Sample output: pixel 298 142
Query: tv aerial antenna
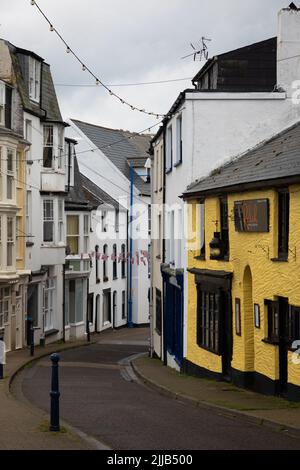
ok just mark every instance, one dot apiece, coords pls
pixel 200 50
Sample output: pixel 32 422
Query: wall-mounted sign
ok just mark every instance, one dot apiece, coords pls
pixel 251 215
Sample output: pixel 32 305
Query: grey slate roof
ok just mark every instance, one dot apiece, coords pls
pixel 96 195
pixel 276 158
pixel 126 145
pixel 76 199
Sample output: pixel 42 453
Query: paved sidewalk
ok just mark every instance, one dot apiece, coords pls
pixel 25 427
pixel 222 397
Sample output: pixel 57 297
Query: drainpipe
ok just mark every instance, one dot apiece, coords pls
pixel 163 347
pixel 130 323
pixel 64 303
pixel 69 166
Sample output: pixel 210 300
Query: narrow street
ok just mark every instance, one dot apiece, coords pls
pixel 101 396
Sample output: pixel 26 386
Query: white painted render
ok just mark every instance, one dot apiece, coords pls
pixel 96 166
pixel 119 284
pixel 39 253
pixel 219 126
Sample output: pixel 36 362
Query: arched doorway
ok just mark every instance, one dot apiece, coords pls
pixel 248 315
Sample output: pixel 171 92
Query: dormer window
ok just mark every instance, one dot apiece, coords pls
pixel 34 79
pixel 5 105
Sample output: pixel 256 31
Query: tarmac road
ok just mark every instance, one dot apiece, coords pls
pixel 100 397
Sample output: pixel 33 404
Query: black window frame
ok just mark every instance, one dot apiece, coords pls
pixel 273 321
pixel 209 319
pixel 283 223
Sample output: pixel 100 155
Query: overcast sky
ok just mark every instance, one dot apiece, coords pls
pixel 129 41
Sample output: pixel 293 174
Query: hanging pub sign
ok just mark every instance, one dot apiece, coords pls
pixel 251 215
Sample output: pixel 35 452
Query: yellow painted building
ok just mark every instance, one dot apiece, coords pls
pixel 243 313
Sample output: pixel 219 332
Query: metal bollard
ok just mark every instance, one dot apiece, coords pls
pixel 54 394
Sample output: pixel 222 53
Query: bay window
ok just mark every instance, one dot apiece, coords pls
pixel 10 173
pixel 48 222
pixel 73 234
pixel 48 153
pixel 2 103
pixel 86 230
pixel 10 242
pixel 60 220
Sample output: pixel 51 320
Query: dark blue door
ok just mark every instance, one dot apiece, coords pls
pixel 173 334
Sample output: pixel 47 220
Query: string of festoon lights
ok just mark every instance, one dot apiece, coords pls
pixel 87 69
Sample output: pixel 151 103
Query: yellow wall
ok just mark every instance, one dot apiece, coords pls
pixel 269 280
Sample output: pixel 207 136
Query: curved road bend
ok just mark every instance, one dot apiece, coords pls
pixel 99 397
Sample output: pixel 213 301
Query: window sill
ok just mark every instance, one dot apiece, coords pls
pixel 209 350
pixel 177 164
pixel 271 341
pixel 168 171
pixel 51 332
pixel 115 278
pixel 280 260
pixel 200 258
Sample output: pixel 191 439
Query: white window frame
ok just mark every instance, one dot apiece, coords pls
pixel 11 241
pixel 49 220
pixel 61 235
pixel 49 293
pixel 86 232
pixel 179 139
pixel 34 79
pixel 11 173
pixel 169 152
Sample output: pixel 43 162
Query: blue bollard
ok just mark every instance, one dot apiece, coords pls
pixel 54 394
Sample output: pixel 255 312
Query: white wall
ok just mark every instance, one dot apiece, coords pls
pixel 119 284
pixel 99 169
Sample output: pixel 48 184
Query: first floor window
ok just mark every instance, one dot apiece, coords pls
pixel 86 230
pixel 10 242
pixel 123 304
pixel 105 256
pixel 115 271
pixel 73 234
pixel 10 174
pixel 48 224
pixel 49 290
pixel 123 261
pixel 60 220
pixel 208 320
pixel 48 146
pixel 20 237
